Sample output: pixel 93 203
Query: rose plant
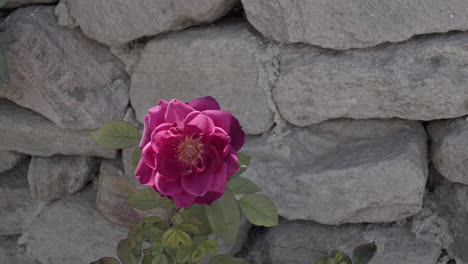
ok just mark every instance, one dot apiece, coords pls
pixel 188 157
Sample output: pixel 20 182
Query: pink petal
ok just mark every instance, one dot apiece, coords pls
pixel 220 140
pixel 165 187
pixel 177 111
pixel 236 134
pixel 146 133
pixel 168 163
pixel 209 198
pixel 221 118
pixel 183 200
pixel 204 103
pixel 197 122
pixel 212 158
pixel 149 156
pixel 157 114
pixel 197 183
pixel 220 179
pixel 232 164
pixel 144 173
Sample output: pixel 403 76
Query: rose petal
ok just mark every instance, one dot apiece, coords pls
pixel 236 134
pixel 149 156
pixel 232 164
pixel 220 179
pixel 146 133
pixel 144 173
pixel 197 122
pixel 197 183
pixel 157 114
pixel 168 163
pixel 209 198
pixel 183 200
pixel 204 103
pixel 221 141
pixel 177 111
pixel 212 158
pixel 221 118
pixel 165 187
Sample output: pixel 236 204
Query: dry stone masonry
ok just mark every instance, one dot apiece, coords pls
pixel 356 115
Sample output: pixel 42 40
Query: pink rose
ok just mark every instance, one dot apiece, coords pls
pixel 189 150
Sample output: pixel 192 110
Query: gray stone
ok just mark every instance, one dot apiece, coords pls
pixel 306 242
pixel 452 199
pixel 51 178
pixel 28 132
pixel 422 79
pixel 20 3
pixel 60 73
pixel 9 159
pixel 16 205
pixel 227 61
pixel 10 253
pixel 353 24
pixel 129 20
pixel 449 148
pixel 114 188
pixel 72 231
pixel 343 171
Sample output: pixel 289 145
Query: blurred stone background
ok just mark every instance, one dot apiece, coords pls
pixel 355 112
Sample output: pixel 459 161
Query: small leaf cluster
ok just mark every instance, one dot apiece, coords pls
pixel 184 237
pixel 361 255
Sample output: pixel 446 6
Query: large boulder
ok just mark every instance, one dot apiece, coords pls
pixel 341 24
pixel 422 79
pixel 129 20
pixel 25 131
pixel 303 242
pixel 72 231
pixel 449 148
pixel 54 177
pixel 72 80
pixel 227 61
pixel 9 159
pixel 20 3
pixel 343 171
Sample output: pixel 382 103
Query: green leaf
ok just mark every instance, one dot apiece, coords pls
pixel 160 259
pixel 117 135
pixel 126 254
pixel 341 258
pixel 224 217
pixel 184 253
pixel 147 259
pixel 175 236
pixel 364 253
pixel 244 162
pixel 259 210
pixel 228 260
pixel 198 212
pixel 143 200
pixel 211 246
pixel 136 156
pixel 106 261
pixel 189 228
pixel 199 253
pixel 145 223
pixel 162 202
pixel 241 185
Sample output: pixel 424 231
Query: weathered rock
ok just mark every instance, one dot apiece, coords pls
pixel 54 177
pixel 16 205
pixel 72 231
pixel 449 148
pixel 114 188
pixel 452 199
pixel 28 132
pixel 20 3
pixel 422 79
pixel 343 171
pixel 9 159
pixel 343 25
pixel 60 73
pixel 226 61
pixel 126 21
pixel 10 253
pixel 306 242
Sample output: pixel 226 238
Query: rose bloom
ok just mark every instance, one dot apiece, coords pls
pixel 189 150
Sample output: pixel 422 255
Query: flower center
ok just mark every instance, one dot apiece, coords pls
pixel 190 151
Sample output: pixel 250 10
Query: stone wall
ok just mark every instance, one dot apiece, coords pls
pixel 355 111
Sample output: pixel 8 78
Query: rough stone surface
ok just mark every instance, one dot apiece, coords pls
pixel 422 79
pixel 354 24
pixel 305 242
pixel 126 21
pixel 227 61
pixel 343 171
pixel 9 159
pixel 20 3
pixel 54 177
pixel 114 187
pixel 10 253
pixel 25 131
pixel 449 148
pixel 16 205
pixel 72 231
pixel 452 199
pixel 60 73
